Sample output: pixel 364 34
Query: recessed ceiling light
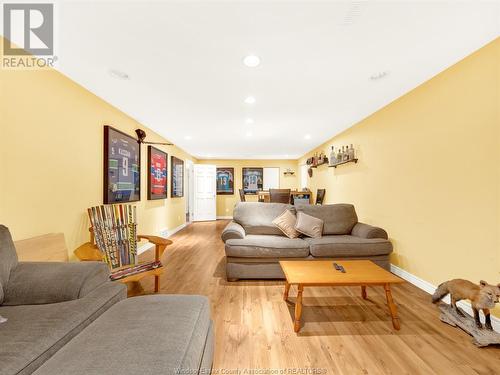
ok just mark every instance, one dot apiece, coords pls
pixel 251 61
pixel 188 137
pixel 118 74
pixel 250 100
pixel 249 120
pixel 307 136
pixel 378 75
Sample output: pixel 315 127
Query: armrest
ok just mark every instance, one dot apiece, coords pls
pixel 368 231
pixel 233 231
pixel 155 239
pixel 34 283
pixel 160 244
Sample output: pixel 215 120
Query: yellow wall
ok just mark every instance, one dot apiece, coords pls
pixel 51 158
pixel 429 172
pixel 225 203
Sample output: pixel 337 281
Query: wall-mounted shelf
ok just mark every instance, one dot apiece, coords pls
pixel 344 162
pixel 323 162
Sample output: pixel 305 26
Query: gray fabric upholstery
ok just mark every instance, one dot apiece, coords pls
pixel 341 246
pixel 33 283
pixel 156 334
pixel 248 268
pixel 232 230
pixel 256 254
pixel 368 231
pixel 337 218
pixel 263 270
pixel 257 218
pixel 33 333
pixel 8 257
pixel 265 246
pixel 208 352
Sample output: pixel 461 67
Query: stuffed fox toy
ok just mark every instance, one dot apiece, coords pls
pixel 482 297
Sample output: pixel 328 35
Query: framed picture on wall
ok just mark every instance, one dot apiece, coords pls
pixel 252 180
pixel 225 181
pixel 157 173
pixel 122 167
pixel 177 182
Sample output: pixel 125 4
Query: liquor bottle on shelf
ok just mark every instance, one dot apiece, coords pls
pixel 345 154
pixel 351 153
pixel 332 156
pixel 339 156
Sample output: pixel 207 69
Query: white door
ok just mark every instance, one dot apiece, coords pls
pixel 204 192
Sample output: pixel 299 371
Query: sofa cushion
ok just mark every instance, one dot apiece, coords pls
pixel 286 222
pixel 309 225
pixel 8 258
pixel 346 245
pixel 157 334
pixel 260 246
pixel 257 217
pixel 337 218
pixel 33 333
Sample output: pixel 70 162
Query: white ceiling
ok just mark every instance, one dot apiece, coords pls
pixel 184 59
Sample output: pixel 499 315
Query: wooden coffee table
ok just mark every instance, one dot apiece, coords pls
pixel 322 273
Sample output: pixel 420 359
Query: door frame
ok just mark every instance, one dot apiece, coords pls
pixel 189 191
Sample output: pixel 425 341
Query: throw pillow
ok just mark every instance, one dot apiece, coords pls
pixel 309 225
pixel 286 223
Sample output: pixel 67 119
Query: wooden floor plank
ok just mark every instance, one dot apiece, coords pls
pixel 341 333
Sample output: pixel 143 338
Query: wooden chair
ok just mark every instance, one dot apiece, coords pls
pixel 242 195
pixel 114 240
pixel 279 195
pixel 320 196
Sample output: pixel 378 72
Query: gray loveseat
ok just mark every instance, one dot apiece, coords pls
pixel 69 319
pixel 254 245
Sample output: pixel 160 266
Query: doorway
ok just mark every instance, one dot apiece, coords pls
pixel 204 187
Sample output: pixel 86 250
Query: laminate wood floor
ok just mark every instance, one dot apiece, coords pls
pixel 341 333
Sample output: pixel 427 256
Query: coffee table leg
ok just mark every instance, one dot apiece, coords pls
pixel 363 291
pixel 392 307
pixel 298 309
pixel 287 289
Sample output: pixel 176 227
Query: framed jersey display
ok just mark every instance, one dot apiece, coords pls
pixel 253 180
pixel 157 173
pixel 177 188
pixel 122 164
pixel 225 181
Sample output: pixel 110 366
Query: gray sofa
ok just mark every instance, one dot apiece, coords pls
pixel 254 245
pixel 68 318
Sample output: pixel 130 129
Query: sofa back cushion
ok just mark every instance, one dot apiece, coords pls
pixel 257 217
pixel 337 218
pixel 8 257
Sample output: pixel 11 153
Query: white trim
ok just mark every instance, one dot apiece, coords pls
pixel 165 233
pixel 142 248
pixel 170 232
pixel 224 217
pixel 430 288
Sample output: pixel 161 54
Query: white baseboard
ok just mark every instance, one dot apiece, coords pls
pixel 224 217
pixel 165 233
pixel 430 288
pixel 142 248
pixel 170 232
